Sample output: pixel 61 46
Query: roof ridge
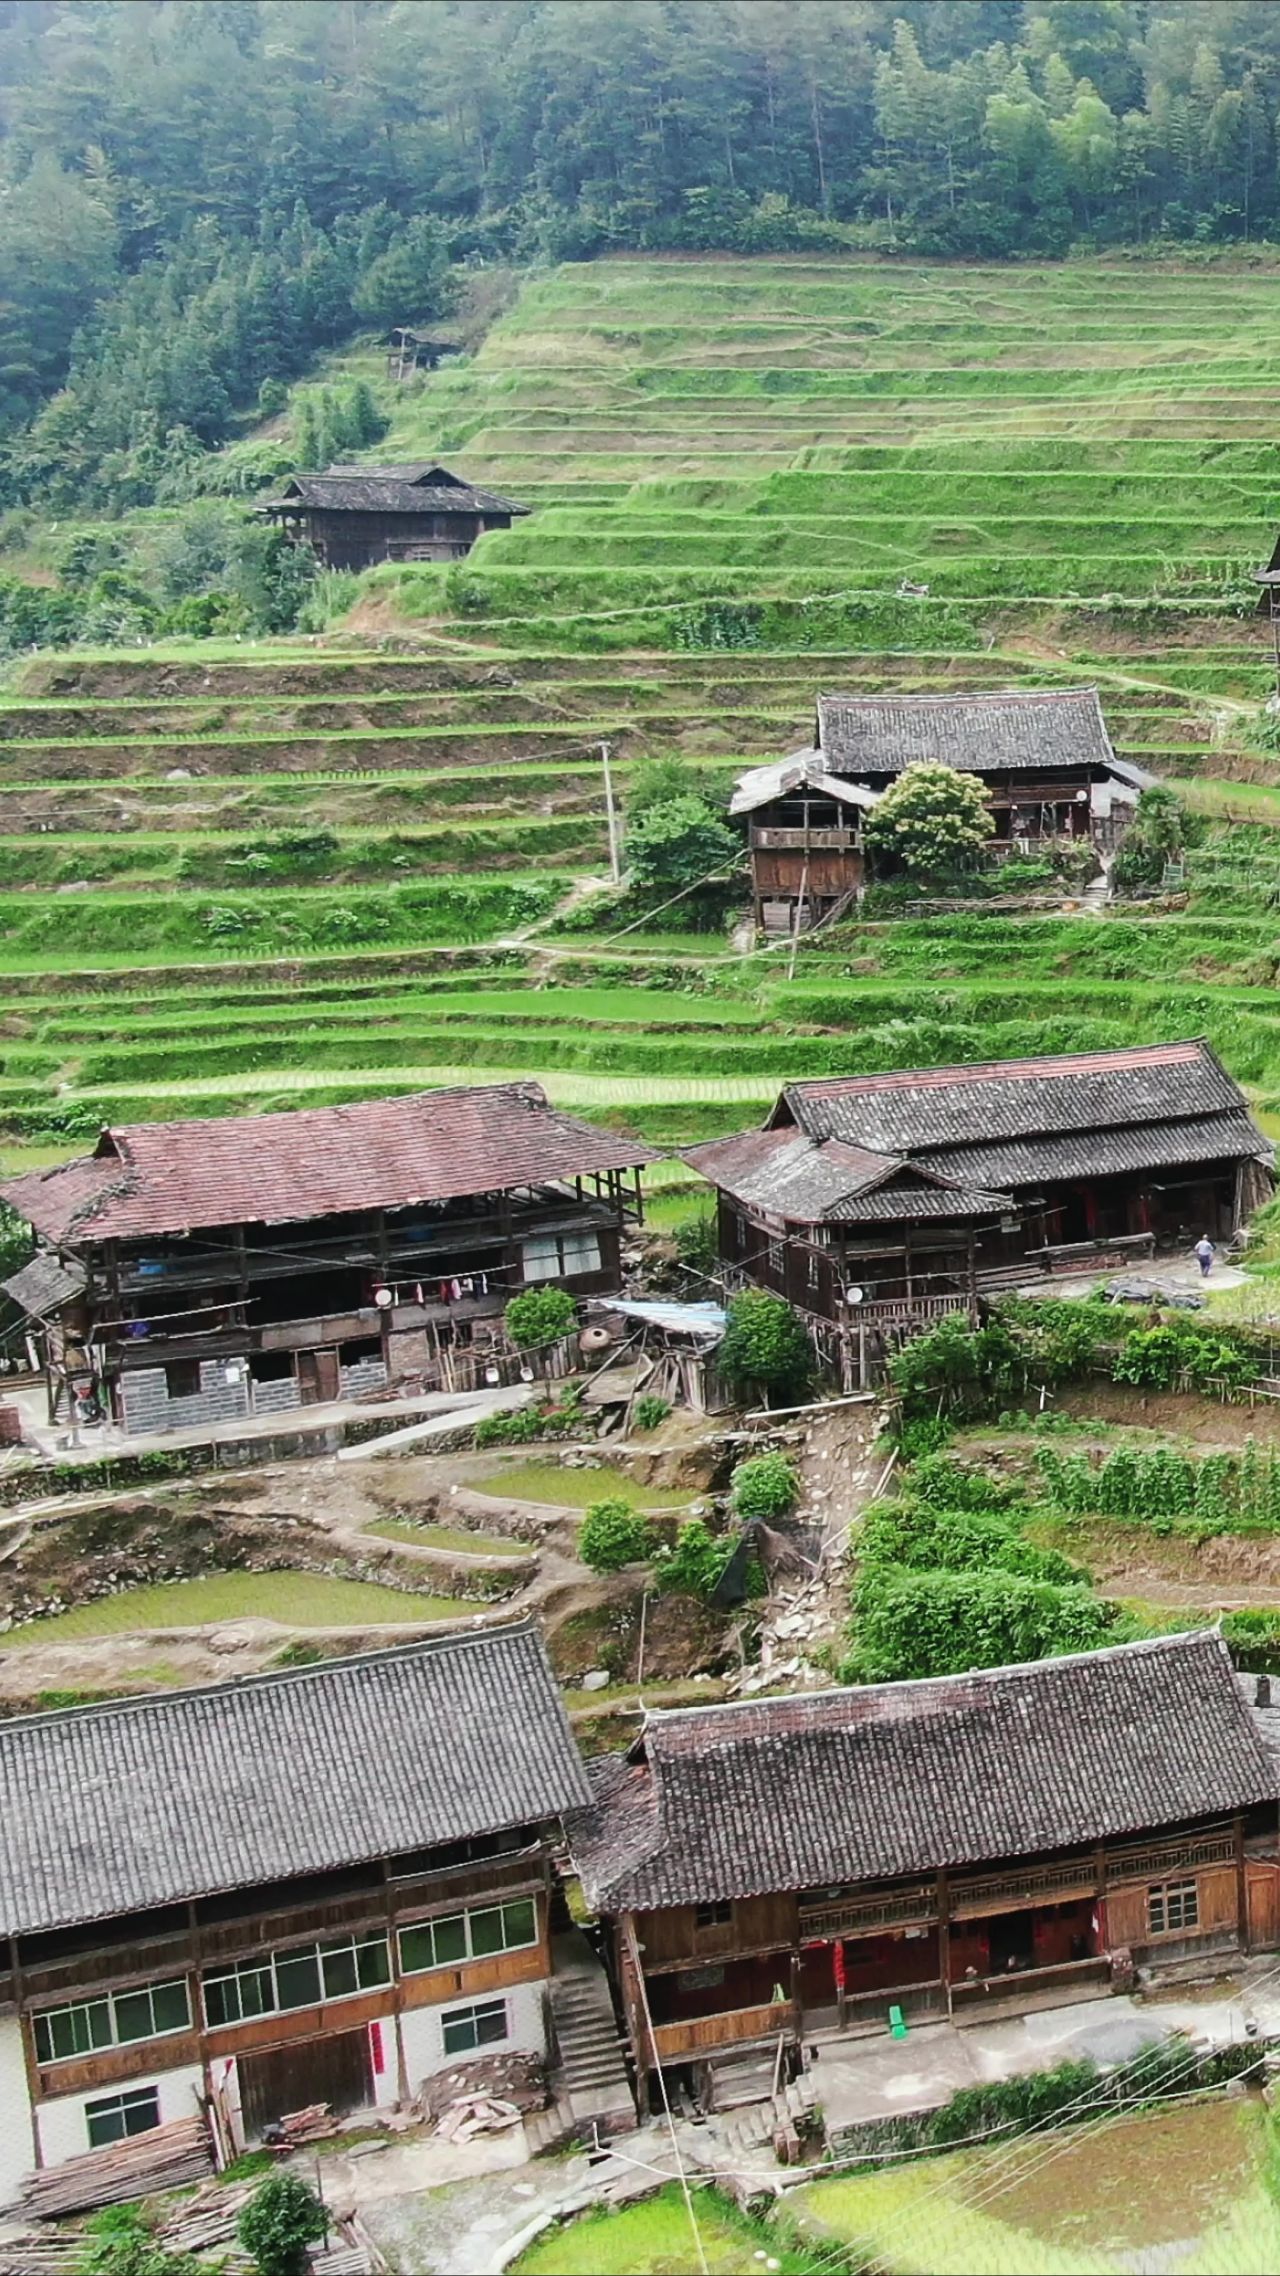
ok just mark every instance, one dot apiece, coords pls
pixel 971 696
pixel 1042 1063
pixel 264 1679
pixel 1135 1648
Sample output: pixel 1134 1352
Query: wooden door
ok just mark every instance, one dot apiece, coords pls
pixel 319 1377
pixel 337 2070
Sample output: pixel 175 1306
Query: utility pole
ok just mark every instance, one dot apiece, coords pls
pixel 615 864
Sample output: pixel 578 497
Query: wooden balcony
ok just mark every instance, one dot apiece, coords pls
pixel 864 1916
pixel 977 1895
pixel 705 2034
pixel 805 841
pixel 1069 1980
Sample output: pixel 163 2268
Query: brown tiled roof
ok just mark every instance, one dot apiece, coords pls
pixel 865 1784
pixel 982 734
pixel 165 1177
pixel 810 1181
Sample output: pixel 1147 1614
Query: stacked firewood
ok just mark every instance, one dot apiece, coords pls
pixel 484 2096
pixel 168 2157
pixel 314 2124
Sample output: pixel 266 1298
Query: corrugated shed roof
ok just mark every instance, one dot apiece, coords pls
pixel 864 1784
pixel 914 1110
pixel 983 734
pixel 164 1177
pixel 802 770
pixel 106 1810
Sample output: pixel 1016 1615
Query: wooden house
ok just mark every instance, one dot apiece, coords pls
pixel 352 516
pixel 320 1885
pixel 195 1272
pixel 875 1203
pixel 778 1873
pixel 1044 757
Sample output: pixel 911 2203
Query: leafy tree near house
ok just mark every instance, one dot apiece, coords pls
pixel 765 1352
pixel 613 1534
pixel 931 822
pixel 539 1316
pixel 679 842
pixel 280 2220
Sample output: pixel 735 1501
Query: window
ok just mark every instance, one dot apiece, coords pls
pixel 302 1977
pixel 553 1256
pixel 119 2115
pixel 118 2021
pixel 1172 1905
pixel 775 1256
pixel 712 1916
pixel 182 1378
pixel 455 1937
pixel 466 2028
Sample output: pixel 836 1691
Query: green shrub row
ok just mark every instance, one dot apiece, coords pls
pixel 1162 1488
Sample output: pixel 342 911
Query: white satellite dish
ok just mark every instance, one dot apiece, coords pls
pixel 854 1295
pixel 383 1298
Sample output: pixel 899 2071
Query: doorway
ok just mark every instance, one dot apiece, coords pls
pixel 337 2070
pixel 319 1377
pixel 1011 1937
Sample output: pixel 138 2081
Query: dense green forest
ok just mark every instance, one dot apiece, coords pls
pixel 198 197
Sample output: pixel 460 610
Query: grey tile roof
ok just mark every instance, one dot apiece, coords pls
pixel 786 1174
pixel 1103 1153
pixel 864 1784
pixel 44 1285
pixel 983 734
pixel 801 770
pixel 391 490
pixel 114 1809
pixel 916 1110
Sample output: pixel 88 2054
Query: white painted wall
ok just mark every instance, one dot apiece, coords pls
pixel 424 2035
pixel 64 2132
pixel 17 2143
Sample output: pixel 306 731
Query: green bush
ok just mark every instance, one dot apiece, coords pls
pixel 526 1424
pixel 947 1484
pixel 613 1534
pixel 909 1625
pixel 649 1411
pixel 119 2241
pixel 926 1539
pixel 539 1316
pixel 764 1487
pixel 765 1352
pixel 280 2220
pixel 699 1558
pixel 1159 1358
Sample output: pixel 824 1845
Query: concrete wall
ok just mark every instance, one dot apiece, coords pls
pixel 424 2034
pixel 363 1375
pixel 148 1406
pixel 64 2131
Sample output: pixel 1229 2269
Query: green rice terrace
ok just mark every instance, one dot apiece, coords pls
pixel 234 877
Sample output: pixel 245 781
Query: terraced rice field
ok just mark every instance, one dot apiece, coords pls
pixel 236 878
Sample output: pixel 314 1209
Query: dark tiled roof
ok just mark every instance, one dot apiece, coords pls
pixel 1103 1153
pixel 809 1182
pixel 44 1285
pixel 866 1784
pixel 983 734
pixel 148 1802
pixel 418 489
pixel 164 1177
pixel 932 1107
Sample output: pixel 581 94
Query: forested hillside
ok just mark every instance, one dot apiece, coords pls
pixel 197 198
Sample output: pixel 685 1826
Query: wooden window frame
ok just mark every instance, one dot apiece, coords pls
pixel 475 2012
pixel 1165 1897
pixel 120 2105
pixel 43 2022
pixel 328 1948
pixel 469 1951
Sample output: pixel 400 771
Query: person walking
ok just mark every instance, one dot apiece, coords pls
pixel 1204 1255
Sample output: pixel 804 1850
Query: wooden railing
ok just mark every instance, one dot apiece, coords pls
pixel 805 841
pixel 1066 1976
pixel 1157 1860
pixel 996 1892
pixel 702 2034
pixel 861 1916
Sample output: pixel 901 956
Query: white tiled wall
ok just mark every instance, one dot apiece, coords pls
pixel 63 2129
pixel 424 2037
pixel 17 2143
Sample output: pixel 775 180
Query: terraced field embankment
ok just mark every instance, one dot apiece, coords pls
pixel 231 878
